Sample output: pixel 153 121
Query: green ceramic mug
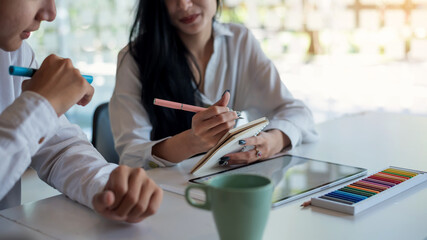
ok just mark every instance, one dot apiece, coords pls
pixel 240 204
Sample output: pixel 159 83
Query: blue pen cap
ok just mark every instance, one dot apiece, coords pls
pixel 21 71
pixel 88 78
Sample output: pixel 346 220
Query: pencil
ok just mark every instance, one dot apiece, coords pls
pixel 29 72
pixel 306 204
pixel 182 106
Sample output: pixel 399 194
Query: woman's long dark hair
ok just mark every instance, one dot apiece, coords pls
pixel 164 68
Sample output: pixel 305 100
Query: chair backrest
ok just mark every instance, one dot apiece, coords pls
pixel 102 137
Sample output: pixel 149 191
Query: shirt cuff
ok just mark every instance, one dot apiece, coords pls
pixel 287 128
pixel 154 161
pixel 98 185
pixel 140 155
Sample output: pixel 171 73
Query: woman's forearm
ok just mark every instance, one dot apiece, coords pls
pixel 282 140
pixel 177 148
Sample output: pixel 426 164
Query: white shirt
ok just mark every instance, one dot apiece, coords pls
pixel 31 134
pixel 238 64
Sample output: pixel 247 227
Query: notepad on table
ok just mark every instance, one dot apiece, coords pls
pixel 229 143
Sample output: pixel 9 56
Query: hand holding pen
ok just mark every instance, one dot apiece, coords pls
pixel 60 83
pixel 184 107
pixel 208 124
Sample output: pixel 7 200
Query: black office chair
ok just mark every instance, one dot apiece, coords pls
pixel 102 137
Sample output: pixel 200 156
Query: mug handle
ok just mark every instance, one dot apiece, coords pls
pixel 206 205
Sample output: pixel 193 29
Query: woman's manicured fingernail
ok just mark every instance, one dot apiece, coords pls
pixel 223 161
pixel 242 142
pixel 225 92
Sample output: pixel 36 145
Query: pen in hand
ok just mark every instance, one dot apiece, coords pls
pixel 29 72
pixel 182 106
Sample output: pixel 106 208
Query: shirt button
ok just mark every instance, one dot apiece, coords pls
pixel 153 164
pixel 41 140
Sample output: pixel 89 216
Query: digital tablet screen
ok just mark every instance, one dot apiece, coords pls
pixel 295 177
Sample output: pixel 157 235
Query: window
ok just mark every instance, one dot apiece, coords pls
pixel 339 56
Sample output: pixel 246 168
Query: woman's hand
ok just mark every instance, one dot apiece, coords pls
pixel 210 125
pixel 266 144
pixel 207 128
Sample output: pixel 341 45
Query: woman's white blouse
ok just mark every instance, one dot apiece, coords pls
pixel 238 64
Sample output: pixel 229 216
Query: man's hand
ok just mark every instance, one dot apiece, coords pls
pixel 129 195
pixel 60 83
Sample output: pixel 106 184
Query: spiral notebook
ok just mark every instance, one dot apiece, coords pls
pixel 229 143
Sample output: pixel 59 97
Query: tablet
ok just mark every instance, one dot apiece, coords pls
pixel 295 177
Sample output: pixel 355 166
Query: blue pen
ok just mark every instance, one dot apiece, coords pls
pixel 29 72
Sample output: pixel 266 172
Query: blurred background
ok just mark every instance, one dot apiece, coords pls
pixel 339 56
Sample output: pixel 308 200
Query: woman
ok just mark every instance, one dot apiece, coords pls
pixel 178 52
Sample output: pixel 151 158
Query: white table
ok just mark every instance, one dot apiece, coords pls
pixel 372 140
pixel 10 230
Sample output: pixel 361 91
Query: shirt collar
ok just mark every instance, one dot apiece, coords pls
pixel 220 29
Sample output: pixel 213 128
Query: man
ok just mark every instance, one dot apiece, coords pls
pixel 34 131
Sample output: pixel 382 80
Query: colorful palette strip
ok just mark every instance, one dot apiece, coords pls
pixel 370 186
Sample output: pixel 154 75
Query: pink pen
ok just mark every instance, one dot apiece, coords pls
pixel 181 106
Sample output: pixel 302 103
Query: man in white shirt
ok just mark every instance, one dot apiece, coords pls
pixel 34 131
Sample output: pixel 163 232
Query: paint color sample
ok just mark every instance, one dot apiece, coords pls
pixel 371 190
